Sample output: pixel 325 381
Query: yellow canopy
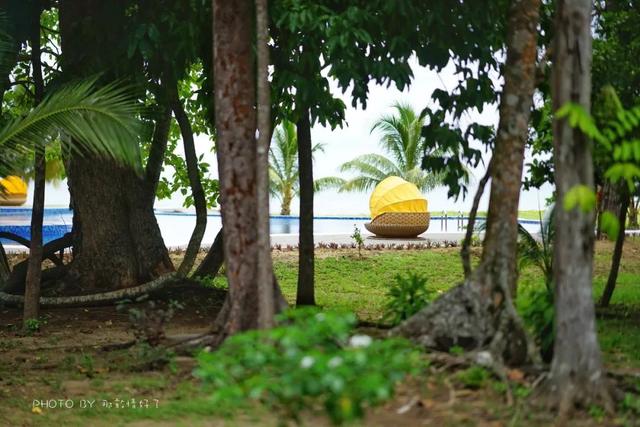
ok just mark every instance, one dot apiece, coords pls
pixel 13 191
pixel 394 194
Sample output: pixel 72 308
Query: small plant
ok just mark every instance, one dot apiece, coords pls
pixel 456 350
pixel 474 377
pixel 148 322
pixel 310 360
pixel 358 239
pixel 408 295
pixel 32 326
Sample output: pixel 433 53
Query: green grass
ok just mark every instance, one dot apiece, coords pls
pixel 345 281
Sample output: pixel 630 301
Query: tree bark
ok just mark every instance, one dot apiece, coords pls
pixel 191 158
pixel 157 151
pixel 265 267
pixel 117 241
pixel 306 287
pixel 480 313
pixel 235 120
pixel 211 264
pixel 633 213
pixel 34 268
pixel 577 375
pixel 617 250
pixel 610 202
pixel 465 253
pixel 5 271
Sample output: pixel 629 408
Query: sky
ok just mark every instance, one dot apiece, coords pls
pixel 354 139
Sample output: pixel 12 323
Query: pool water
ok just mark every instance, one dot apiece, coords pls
pixel 176 226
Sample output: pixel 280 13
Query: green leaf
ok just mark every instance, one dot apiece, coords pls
pixel 610 224
pixel 580 196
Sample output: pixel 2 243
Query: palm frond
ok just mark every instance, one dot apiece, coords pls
pixel 372 164
pixel 361 183
pixel 328 183
pixel 101 121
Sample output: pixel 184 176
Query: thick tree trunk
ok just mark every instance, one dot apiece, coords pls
pixel 34 268
pixel 480 313
pixel 197 192
pixel 235 120
pixel 265 267
pixel 577 375
pixel 306 287
pixel 617 250
pixel 117 239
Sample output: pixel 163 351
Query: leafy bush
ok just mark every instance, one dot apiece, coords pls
pixel 474 377
pixel 538 314
pixel 311 359
pixel 408 295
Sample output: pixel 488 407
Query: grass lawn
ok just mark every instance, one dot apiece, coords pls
pixel 50 366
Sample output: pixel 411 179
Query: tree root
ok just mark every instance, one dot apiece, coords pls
pixel 104 298
pixel 466 318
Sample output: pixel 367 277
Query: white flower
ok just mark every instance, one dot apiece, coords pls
pixel 360 341
pixel 306 362
pixel 335 362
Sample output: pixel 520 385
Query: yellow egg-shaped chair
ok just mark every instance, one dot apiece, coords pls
pixel 398 209
pixel 13 191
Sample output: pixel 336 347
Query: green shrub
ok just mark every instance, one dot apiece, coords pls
pixel 538 314
pixel 474 377
pixel 310 360
pixel 408 295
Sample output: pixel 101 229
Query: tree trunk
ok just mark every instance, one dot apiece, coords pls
pixel 465 251
pixel 617 250
pixel 117 241
pixel 34 268
pixel 5 271
pixel 633 213
pixel 610 202
pixel 235 120
pixel 285 208
pixel 211 264
pixel 191 158
pixel 577 374
pixel 306 288
pixel 480 313
pixel 265 267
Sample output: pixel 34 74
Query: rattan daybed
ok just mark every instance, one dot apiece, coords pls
pixel 399 224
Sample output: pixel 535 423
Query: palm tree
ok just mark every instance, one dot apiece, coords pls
pixel 283 167
pixel 405 147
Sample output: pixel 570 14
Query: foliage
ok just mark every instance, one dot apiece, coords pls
pixel 537 312
pixel 404 147
pixel 32 325
pixel 310 358
pixel 148 322
pixel 616 134
pixel 357 237
pixel 474 377
pixel 407 296
pixel 536 306
pixel 284 182
pixel 98 120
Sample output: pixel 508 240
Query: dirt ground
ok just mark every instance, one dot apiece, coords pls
pixel 75 356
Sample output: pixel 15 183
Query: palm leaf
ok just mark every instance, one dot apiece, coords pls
pixel 327 183
pixel 101 121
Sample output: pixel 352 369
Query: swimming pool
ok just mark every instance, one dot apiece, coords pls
pixel 176 226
